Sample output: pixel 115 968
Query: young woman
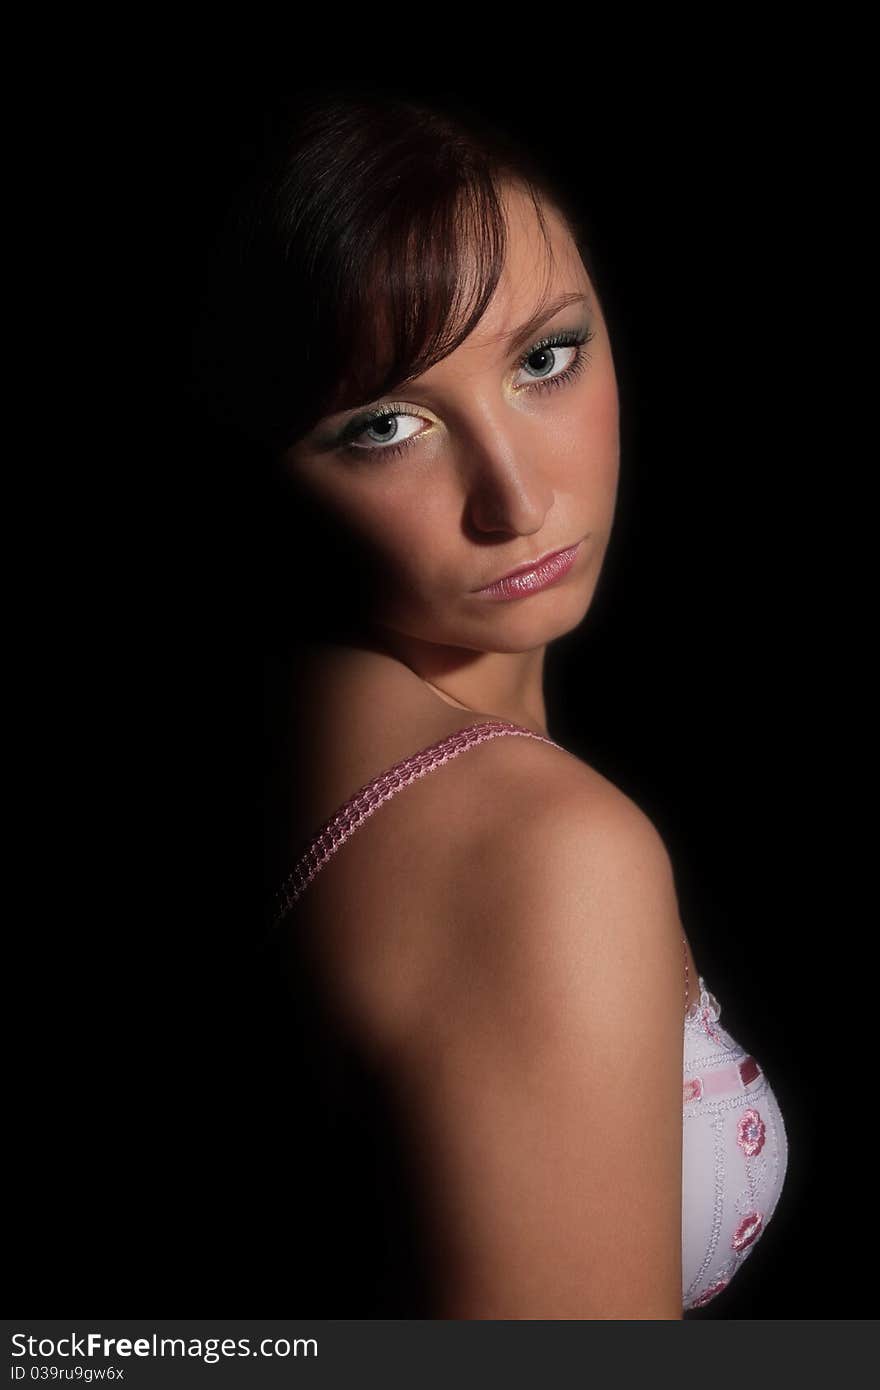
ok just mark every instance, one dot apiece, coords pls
pixel 478 933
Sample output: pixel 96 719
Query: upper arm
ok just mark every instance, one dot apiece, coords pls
pixel 545 1073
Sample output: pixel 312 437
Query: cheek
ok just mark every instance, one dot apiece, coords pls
pixel 599 409
pixel 394 528
pixel 606 411
pixel 355 527
pixel 403 528
pixel 607 435
pixel 588 436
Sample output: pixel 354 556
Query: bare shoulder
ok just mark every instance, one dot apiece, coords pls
pixel 516 832
pixel 543 1070
pixel 354 714
pixel 506 936
pixel 560 871
pixel 556 866
pixel 537 876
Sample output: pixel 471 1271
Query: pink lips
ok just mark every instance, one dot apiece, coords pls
pixel 528 581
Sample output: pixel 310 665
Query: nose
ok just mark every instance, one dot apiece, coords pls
pixel 507 488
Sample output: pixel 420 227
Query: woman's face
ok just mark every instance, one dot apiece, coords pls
pixel 500 454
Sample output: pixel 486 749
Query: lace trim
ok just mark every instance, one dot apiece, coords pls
pixel 367 800
pixel 706 1008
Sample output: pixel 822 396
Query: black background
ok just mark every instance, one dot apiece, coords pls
pixel 718 678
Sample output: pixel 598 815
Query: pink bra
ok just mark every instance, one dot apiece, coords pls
pixel 353 812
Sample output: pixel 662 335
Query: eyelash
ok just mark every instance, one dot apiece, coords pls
pixel 566 338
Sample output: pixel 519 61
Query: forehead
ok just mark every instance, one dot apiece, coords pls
pixel 539 264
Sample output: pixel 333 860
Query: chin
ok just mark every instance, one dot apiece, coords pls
pixel 520 626
pixel 505 625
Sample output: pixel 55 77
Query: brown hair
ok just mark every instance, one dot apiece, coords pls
pixel 368 211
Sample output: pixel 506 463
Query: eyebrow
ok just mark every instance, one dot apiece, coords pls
pixel 519 337
pixel 514 340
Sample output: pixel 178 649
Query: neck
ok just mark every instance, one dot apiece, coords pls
pixel 508 685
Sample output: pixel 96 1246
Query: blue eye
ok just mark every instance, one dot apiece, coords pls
pixel 390 414
pixel 547 348
pixel 387 415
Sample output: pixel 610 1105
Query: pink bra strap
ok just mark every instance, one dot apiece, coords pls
pixel 369 798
